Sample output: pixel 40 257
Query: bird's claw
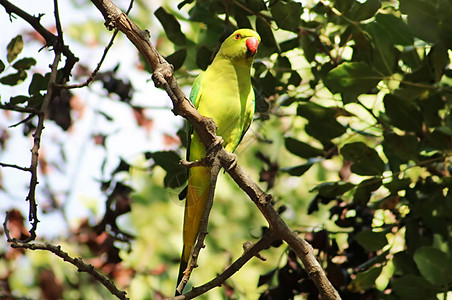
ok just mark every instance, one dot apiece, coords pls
pixel 232 163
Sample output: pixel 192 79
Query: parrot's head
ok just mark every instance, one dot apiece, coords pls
pixel 241 45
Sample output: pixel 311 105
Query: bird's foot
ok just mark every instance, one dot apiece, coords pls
pixel 232 162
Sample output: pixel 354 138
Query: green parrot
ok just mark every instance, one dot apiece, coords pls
pixel 223 93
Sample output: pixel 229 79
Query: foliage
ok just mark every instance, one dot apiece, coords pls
pixel 364 85
pixel 352 137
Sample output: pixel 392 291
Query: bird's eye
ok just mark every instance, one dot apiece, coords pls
pixel 238 36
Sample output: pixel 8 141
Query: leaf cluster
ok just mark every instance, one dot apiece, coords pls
pixel 369 82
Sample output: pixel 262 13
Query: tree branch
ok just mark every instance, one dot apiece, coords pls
pixel 78 262
pixel 51 39
pixel 264 243
pixel 163 77
pixel 99 64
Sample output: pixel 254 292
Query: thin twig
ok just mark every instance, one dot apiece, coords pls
pixel 50 38
pixel 78 262
pixel 99 64
pixel 31 197
pixel 19 108
pixel 26 169
pixel 58 22
pixel 247 255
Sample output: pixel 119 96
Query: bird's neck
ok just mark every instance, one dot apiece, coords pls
pixel 241 67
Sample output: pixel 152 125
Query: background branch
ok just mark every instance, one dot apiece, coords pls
pixel 78 262
pixel 163 77
pixel 51 39
pixel 264 243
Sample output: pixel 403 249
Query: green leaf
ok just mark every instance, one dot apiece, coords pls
pixel 397 184
pixel 203 57
pixel 422 18
pixel 322 121
pixel 434 265
pixel 177 58
pixel 352 79
pixel 242 19
pixel 364 191
pixel 297 170
pixel 411 287
pixel 267 37
pixel 384 54
pixel 289 44
pixel 301 149
pixel 287 14
pixel 256 5
pixel 24 63
pixel 18 99
pixel 371 240
pixel 404 114
pixel 365 279
pixel 171 26
pixel 14 79
pixel 2 66
pixel 14 48
pixel 333 189
pixel 38 83
pixel 363 11
pixel 438 59
pixel 176 175
pixel 395 28
pixel 294 79
pixel 404 264
pixel 405 147
pixel 366 160
pixel 439 139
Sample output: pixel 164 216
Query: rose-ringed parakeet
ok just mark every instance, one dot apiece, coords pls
pixel 223 93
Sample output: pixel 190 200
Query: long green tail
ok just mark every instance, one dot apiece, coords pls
pixel 197 193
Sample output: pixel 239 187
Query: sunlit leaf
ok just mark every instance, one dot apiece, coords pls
pixel 14 48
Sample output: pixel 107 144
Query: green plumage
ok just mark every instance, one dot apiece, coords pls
pixel 225 94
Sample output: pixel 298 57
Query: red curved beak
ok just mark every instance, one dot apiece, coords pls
pixel 251 44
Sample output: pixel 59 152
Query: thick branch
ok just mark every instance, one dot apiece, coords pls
pixel 163 77
pixel 78 262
